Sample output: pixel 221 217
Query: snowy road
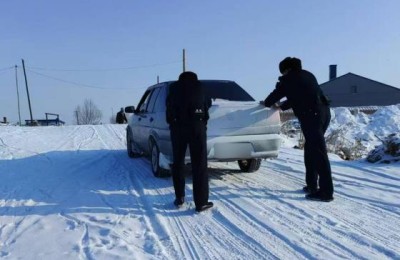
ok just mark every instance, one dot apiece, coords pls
pixel 73 193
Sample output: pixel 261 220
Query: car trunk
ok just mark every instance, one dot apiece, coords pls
pixel 231 118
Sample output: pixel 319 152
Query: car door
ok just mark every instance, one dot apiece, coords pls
pixel 160 126
pixel 148 120
pixel 138 119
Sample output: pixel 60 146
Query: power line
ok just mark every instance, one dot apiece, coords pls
pixel 76 83
pixel 8 68
pixel 3 72
pixel 108 69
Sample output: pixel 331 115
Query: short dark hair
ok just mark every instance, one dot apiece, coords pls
pixel 188 76
pixel 290 63
pixel 296 64
pixel 284 64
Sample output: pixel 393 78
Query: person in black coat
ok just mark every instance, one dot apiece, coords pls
pixel 311 107
pixel 187 115
pixel 121 117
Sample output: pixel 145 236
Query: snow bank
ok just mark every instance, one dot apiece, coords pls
pixel 353 134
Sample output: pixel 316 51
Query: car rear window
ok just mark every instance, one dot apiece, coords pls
pixel 227 90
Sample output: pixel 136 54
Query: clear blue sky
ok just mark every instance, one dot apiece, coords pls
pixel 123 45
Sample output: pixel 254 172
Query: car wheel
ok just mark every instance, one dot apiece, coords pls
pixel 249 165
pixel 155 161
pixel 133 151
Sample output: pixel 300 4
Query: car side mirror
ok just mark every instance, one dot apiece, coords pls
pixel 130 109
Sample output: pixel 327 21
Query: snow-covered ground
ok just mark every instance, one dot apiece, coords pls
pixel 73 193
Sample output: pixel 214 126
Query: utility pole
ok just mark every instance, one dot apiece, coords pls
pixel 158 79
pixel 77 117
pixel 184 60
pixel 16 83
pixel 27 91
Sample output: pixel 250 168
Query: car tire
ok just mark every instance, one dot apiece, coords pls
pixel 133 152
pixel 249 165
pixel 155 161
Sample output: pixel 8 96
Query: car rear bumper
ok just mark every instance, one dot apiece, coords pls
pixel 232 148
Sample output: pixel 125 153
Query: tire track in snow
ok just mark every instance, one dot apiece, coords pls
pixel 190 241
pixel 155 227
pixel 348 220
pixel 345 179
pixel 259 226
pixel 115 171
pixel 158 235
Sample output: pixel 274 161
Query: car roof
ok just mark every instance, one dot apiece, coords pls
pixel 201 80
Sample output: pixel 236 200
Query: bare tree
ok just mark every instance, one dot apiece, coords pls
pixel 88 114
pixel 112 120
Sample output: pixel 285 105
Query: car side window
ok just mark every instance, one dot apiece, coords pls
pixel 161 99
pixel 141 108
pixel 153 97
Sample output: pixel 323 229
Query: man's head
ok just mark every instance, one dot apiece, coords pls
pixel 188 77
pixel 122 109
pixel 296 64
pixel 284 65
pixel 288 64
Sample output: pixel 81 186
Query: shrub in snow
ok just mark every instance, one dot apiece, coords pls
pixel 337 142
pixel 291 128
pixel 387 152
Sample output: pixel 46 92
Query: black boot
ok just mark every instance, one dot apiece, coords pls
pixel 178 202
pixel 204 207
pixel 319 196
pixel 309 190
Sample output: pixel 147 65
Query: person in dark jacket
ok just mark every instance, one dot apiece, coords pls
pixel 311 107
pixel 121 117
pixel 187 115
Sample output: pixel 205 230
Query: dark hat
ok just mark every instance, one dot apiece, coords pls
pixel 188 76
pixel 284 64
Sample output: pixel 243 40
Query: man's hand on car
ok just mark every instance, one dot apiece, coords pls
pixel 276 106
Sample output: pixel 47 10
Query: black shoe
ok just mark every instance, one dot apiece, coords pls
pixel 309 190
pixel 179 202
pixel 204 207
pixel 319 196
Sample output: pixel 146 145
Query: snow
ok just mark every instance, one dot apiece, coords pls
pixel 71 192
pixel 370 129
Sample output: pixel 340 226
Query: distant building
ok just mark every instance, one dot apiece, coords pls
pixel 351 90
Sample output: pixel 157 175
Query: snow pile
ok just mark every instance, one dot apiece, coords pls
pixel 354 134
pixel 367 128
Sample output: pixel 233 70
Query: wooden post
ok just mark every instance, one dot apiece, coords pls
pixel 27 91
pixel 184 60
pixel 16 83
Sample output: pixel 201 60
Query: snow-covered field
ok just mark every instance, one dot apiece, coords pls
pixel 72 193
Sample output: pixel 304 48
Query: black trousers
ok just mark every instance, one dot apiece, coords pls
pixel 318 168
pixel 195 136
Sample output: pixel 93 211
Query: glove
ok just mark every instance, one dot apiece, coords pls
pixel 276 106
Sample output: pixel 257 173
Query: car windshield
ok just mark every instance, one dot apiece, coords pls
pixel 227 90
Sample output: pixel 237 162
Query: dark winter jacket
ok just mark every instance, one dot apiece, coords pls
pixel 187 103
pixel 302 92
pixel 121 118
